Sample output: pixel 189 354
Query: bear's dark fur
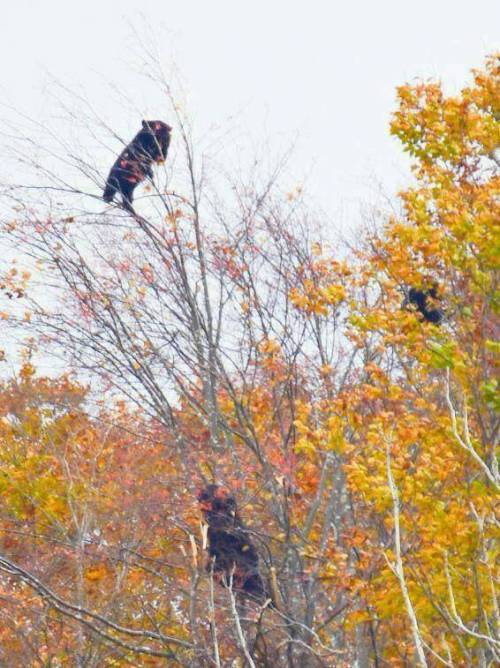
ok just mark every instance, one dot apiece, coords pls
pixel 229 545
pixel 133 165
pixel 422 300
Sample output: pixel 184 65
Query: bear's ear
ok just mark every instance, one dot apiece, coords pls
pixel 145 125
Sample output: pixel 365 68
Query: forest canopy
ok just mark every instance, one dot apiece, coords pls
pixel 213 337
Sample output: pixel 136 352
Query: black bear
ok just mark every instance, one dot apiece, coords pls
pixel 133 165
pixel 229 545
pixel 422 300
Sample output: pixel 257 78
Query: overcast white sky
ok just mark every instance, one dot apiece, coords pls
pixel 324 71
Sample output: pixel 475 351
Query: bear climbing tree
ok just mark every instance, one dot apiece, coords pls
pixel 423 300
pixel 232 554
pixel 133 165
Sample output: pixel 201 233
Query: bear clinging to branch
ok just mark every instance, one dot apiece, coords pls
pixel 133 165
pixel 424 302
pixel 230 548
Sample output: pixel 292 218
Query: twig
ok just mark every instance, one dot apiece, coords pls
pixel 239 630
pixel 466 442
pixel 213 626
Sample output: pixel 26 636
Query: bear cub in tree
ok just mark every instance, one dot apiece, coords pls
pixel 422 300
pixel 230 548
pixel 133 165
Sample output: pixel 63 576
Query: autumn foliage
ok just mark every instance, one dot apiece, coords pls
pixel 218 339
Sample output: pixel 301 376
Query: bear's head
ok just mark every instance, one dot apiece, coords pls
pixel 161 132
pixel 218 505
